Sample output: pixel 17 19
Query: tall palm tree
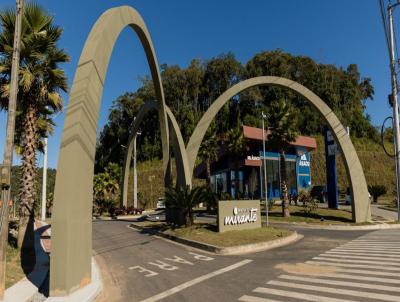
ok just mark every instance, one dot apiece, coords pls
pixel 282 122
pixel 209 150
pixel 236 143
pixel 40 83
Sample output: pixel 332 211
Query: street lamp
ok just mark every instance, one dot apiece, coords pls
pixel 263 117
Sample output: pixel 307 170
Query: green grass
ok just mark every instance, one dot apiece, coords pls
pixel 207 233
pixel 14 271
pixel 330 216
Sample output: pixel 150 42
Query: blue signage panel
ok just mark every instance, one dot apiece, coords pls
pixel 331 173
pixel 304 171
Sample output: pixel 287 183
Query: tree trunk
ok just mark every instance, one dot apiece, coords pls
pixel 28 186
pixel 284 190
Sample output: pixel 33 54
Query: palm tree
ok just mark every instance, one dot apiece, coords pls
pixel 184 199
pixel 236 143
pixel 106 188
pixel 40 81
pixel 209 150
pixel 283 124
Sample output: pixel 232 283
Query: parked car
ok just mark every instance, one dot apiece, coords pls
pixel 161 203
pixel 320 193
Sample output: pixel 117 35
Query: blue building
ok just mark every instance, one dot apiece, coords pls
pixel 241 176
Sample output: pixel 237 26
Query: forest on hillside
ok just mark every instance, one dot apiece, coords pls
pixel 190 91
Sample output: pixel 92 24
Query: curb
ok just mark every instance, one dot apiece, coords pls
pixel 232 250
pixel 332 227
pixel 25 289
pixel 88 293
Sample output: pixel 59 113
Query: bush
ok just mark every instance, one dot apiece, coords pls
pixel 310 204
pixel 376 191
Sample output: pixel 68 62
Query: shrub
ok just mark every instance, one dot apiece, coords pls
pixel 310 204
pixel 376 191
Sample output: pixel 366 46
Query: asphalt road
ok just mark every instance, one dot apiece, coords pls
pixel 138 267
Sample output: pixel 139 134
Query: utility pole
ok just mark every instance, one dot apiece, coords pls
pixel 44 181
pixel 9 146
pixel 263 116
pixel 395 102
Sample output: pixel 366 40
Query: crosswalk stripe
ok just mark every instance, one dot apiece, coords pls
pixel 361 254
pixel 391 246
pixel 365 250
pixel 366 272
pixel 337 291
pixel 246 298
pixel 358 277
pixel 342 283
pixel 297 295
pixel 377 241
pixel 355 265
pixel 347 256
pixel 357 261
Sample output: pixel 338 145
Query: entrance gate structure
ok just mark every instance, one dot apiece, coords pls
pixel 70 264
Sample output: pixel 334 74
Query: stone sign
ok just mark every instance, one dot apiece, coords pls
pixel 238 215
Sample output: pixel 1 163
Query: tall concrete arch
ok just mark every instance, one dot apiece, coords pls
pixel 177 143
pixel 72 216
pixel 360 198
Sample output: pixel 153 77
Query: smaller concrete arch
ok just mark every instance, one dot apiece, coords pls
pixel 177 144
pixel 360 198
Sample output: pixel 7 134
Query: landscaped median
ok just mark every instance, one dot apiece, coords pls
pixel 205 236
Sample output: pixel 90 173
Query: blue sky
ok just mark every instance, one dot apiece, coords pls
pixel 336 32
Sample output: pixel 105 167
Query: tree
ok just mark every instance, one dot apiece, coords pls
pixel 237 147
pixel 376 191
pixel 282 122
pixel 184 199
pixel 106 188
pixel 40 82
pixel 209 150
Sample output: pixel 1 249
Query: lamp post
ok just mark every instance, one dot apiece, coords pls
pixel 263 117
pixel 9 146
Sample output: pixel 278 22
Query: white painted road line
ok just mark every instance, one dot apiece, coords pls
pixel 337 291
pixel 367 272
pixel 354 265
pixel 297 295
pixel 360 257
pixel 362 254
pixel 365 250
pixel 190 283
pixel 246 298
pixel 380 246
pixel 357 261
pixel 360 278
pixel 342 283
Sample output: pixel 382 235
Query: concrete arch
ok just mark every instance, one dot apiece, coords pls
pixel 177 143
pixel 360 197
pixel 72 216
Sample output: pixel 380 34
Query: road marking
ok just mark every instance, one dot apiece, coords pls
pixel 386 246
pixel 297 295
pixel 141 269
pixel 357 277
pixel 366 250
pixel 361 254
pixel 356 261
pixel 246 298
pixel 341 283
pixel 348 256
pixel 164 266
pixel 365 272
pixel 348 292
pixel 190 283
pixel 354 265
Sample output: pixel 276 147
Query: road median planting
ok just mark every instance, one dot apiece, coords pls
pixel 206 237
